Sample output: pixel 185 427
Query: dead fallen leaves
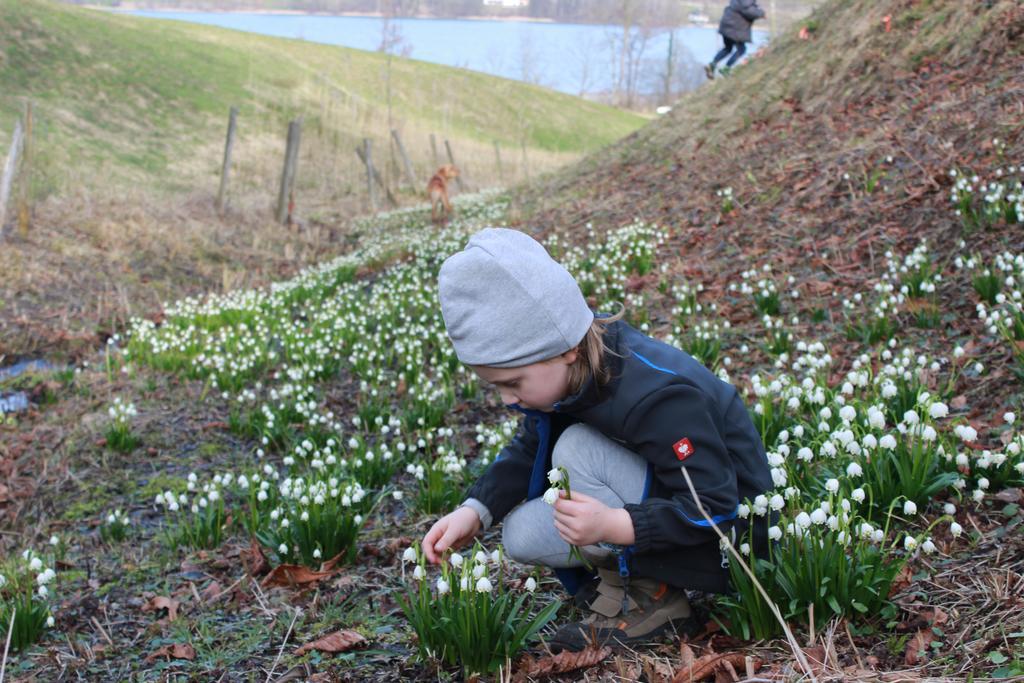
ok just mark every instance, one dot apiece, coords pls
pixel 560 663
pixel 298 575
pixel 175 651
pixel 253 559
pixel 161 602
pixel 725 666
pixel 339 641
pixel 918 646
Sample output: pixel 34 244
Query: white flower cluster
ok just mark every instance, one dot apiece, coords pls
pixel 120 412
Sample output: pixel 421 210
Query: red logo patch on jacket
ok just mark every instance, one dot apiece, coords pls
pixel 683 449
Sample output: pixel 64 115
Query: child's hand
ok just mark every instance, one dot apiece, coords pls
pixel 586 521
pixel 451 531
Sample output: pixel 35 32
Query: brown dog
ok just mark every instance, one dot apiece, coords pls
pixel 437 191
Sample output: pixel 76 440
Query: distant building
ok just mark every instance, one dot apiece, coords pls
pixel 699 18
pixel 509 4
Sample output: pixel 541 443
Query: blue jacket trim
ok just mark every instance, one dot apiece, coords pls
pixel 717 519
pixel 656 367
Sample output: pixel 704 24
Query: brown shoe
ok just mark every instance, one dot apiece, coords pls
pixel 651 608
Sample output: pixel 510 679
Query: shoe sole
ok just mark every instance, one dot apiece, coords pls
pixel 688 626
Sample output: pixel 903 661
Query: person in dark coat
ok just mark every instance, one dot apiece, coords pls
pixel 737 20
pixel 620 414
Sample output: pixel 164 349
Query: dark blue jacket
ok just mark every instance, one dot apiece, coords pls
pixel 664 405
pixel 738 18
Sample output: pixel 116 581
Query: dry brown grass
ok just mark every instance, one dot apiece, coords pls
pixel 89 263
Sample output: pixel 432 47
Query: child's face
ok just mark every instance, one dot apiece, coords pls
pixel 537 386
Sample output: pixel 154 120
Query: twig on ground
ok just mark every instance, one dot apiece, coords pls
pixel 283 643
pixel 7 645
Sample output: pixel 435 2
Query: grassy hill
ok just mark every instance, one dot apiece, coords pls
pixel 129 120
pixel 145 101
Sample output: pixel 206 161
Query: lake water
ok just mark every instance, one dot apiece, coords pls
pixel 573 58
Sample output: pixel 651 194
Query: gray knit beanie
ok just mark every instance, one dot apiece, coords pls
pixel 507 303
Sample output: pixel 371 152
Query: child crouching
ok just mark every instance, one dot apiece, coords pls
pixel 621 412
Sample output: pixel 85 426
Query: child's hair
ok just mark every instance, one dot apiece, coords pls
pixel 590 357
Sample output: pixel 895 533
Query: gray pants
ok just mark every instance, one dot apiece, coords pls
pixel 598 467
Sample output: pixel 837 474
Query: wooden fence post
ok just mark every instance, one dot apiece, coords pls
pixel 451 160
pixel 291 158
pixel 24 212
pixel 367 157
pixel 497 158
pixel 433 151
pixel 8 174
pixel 409 175
pixel 372 174
pixel 526 162
pixel 226 166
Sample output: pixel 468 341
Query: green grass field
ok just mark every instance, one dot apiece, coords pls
pixel 141 101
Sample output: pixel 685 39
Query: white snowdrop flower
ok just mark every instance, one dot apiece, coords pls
pixel 397 495
pixel 531 584
pixel 744 548
pixel 949 509
pixel 979 368
pixel 877 536
pixel 554 475
pixel 845 505
pixel 911 417
pixel 283 548
pixel 479 571
pixel 35 564
pixel 983 483
pixel 50 621
pixel 743 511
pixel 551 495
pixel 962 460
pixel 1009 418
pixel 357 520
pixel 409 555
pixel 858 495
pixel 966 433
pixel 456 560
pixel 938 410
pixel 825 413
pixel 774 533
pixel 480 557
pixel 832 485
pixel 464 583
pixel 54 540
pixel 888 390
pixel 803 520
pixel 805 454
pixel 798 431
pixel 854 470
pixel 419 573
pixel 442 586
pixel 909 508
pixel 978 495
pixel 818 516
pixel 42 591
pixel 955 529
pixel 929 433
pixel 888 442
pixel 848 413
pixel 777 502
pixel 909 543
pixel 927 546
pixel 316 553
pixel 483 585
